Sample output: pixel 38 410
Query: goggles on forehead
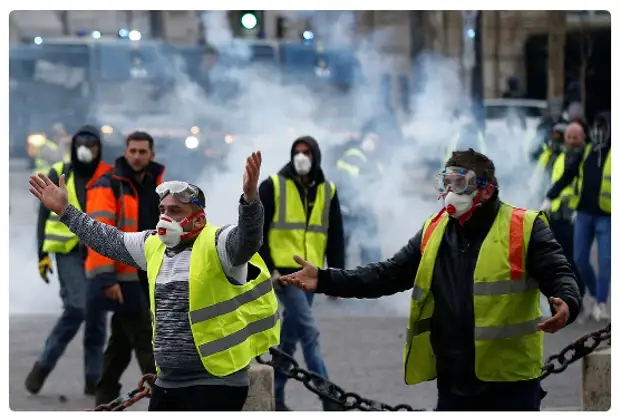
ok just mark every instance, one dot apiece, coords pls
pixel 180 191
pixel 458 180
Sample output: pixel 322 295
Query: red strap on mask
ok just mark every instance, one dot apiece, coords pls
pixel 187 220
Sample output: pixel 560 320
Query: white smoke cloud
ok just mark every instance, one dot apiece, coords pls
pixel 269 116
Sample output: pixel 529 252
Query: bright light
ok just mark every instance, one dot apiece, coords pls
pixel 123 33
pixel 38 40
pixel 308 35
pixel 228 139
pixel 195 130
pixel 471 33
pixel 134 35
pixel 108 130
pixel 36 139
pixel 191 142
pixel 249 21
pixel 95 34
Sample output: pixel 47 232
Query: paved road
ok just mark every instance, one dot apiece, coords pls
pixel 363 354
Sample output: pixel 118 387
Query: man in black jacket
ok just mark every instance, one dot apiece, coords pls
pixel 84 169
pixel 475 320
pixel 302 215
pixel 591 166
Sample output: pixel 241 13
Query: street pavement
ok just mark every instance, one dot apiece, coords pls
pixel 362 353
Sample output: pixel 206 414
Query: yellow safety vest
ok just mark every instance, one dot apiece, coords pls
pixel 351 169
pixel 290 234
pixel 568 195
pixel 455 143
pixel 231 324
pixel 506 303
pixel 545 157
pixel 604 199
pixel 58 237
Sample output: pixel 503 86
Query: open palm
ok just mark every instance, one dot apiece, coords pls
pixel 52 196
pixel 307 278
pixel 251 175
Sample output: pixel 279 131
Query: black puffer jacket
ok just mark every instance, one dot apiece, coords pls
pixel 453 320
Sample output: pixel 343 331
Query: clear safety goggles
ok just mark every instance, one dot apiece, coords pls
pixel 458 180
pixel 180 191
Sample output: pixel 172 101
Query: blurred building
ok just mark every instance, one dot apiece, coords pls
pixel 396 36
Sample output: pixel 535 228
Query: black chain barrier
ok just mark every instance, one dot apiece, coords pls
pixel 327 390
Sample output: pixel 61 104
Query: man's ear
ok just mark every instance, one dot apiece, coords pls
pixel 201 220
pixel 488 191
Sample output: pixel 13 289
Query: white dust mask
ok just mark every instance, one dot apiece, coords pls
pixel 171 232
pixel 84 154
pixel 458 204
pixel 302 163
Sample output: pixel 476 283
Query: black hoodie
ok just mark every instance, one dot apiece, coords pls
pixel 592 173
pixel 335 239
pixel 82 174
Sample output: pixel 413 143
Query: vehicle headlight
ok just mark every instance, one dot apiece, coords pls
pixel 191 142
pixel 228 139
pixel 36 139
pixel 107 130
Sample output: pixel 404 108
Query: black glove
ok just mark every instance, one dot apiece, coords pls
pixel 45 267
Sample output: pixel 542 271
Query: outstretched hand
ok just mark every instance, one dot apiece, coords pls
pixel 251 175
pixel 559 319
pixel 54 197
pixel 307 278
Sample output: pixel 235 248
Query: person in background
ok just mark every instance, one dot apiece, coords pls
pixel 125 198
pixel 476 270
pixel 360 170
pixel 591 170
pixel 561 209
pixel 302 215
pixel 54 238
pixel 53 148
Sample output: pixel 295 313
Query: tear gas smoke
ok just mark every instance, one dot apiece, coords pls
pixel 273 115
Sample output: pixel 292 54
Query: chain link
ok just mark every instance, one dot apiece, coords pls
pixel 127 400
pixel 576 350
pixel 327 390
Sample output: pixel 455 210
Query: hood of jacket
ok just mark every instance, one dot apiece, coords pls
pixel 316 173
pixel 80 167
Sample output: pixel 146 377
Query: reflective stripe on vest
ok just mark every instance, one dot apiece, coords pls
pixel 58 238
pixel 290 232
pixel 231 324
pixel 506 302
pixel 604 199
pixel 349 168
pixel 568 196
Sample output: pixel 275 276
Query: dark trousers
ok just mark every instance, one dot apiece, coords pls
pixel 72 292
pixel 503 396
pixel 129 330
pixel 198 398
pixel 563 231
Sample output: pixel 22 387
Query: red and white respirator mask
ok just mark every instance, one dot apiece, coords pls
pixel 170 231
pixel 459 188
